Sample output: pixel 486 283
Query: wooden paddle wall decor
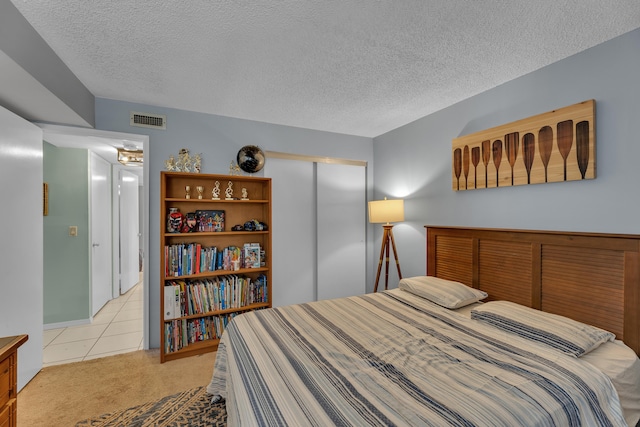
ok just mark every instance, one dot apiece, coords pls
pixel 555 146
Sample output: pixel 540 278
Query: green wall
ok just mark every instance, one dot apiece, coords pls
pixel 66 259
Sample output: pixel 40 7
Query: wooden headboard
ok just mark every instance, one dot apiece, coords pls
pixel 590 277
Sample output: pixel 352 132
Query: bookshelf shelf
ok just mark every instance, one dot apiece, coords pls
pixel 207 277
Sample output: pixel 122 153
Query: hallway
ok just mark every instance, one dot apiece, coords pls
pixel 116 328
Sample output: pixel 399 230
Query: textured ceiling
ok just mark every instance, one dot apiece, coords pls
pixel 359 67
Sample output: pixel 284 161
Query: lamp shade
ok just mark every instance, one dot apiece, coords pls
pixel 386 211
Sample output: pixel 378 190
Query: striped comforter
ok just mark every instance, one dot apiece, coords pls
pixel 393 358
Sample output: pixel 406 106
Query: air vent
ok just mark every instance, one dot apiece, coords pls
pixel 146 120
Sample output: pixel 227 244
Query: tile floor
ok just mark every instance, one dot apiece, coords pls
pixel 116 328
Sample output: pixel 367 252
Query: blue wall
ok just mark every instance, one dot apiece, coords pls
pixel 218 139
pixel 414 161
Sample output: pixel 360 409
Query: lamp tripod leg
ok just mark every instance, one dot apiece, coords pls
pixel 395 254
pixel 385 245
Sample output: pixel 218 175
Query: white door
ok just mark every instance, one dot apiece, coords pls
pixel 293 231
pixel 319 229
pixel 341 230
pixel 21 258
pixel 129 239
pixel 100 233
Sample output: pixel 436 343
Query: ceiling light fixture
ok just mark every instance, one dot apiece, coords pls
pixel 130 157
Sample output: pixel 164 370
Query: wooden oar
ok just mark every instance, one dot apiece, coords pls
pixel 475 159
pixel 457 164
pixel 497 158
pixel 545 145
pixel 565 141
pixel 486 155
pixel 511 143
pixel 582 146
pixel 465 166
pixel 529 152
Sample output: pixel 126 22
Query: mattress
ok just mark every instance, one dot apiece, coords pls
pixel 393 358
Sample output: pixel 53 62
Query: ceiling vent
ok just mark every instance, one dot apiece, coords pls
pixel 146 120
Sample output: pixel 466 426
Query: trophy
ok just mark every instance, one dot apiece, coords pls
pixel 228 193
pixel 199 189
pixel 215 193
pixel 188 190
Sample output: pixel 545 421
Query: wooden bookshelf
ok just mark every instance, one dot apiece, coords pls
pixel 178 335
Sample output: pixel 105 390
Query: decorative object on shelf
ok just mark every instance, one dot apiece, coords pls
pixel 237 227
pixel 555 146
pixel 228 193
pixel 386 211
pixel 174 221
pixel 170 164
pixel 187 189
pixel 210 220
pixel 252 225
pixel 215 193
pixel 245 196
pixel 190 223
pixel 250 158
pixel 199 189
pixel 197 163
pixel 234 169
pixel 184 163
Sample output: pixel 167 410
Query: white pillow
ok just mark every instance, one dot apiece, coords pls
pixel 446 293
pixel 559 332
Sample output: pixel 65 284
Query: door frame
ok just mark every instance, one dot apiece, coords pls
pixel 104 137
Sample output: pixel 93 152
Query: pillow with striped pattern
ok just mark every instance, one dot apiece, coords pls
pixel 559 332
pixel 446 293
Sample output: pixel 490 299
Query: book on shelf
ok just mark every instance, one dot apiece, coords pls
pixel 252 255
pixel 202 296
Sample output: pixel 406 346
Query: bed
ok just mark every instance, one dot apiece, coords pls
pixel 462 345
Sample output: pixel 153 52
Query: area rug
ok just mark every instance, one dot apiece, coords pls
pixel 189 408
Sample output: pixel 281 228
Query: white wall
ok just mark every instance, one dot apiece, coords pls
pixel 21 310
pixel 414 161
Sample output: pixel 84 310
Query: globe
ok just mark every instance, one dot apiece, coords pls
pixel 250 158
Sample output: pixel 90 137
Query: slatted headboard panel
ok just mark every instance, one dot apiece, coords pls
pixel 590 277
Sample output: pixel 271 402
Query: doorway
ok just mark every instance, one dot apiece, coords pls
pixel 123 320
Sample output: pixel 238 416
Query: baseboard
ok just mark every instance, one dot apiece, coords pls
pixel 59 325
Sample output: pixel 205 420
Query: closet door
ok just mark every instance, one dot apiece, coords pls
pixel 341 230
pixel 293 244
pixel 319 229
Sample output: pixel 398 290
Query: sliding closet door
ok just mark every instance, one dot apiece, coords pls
pixel 293 257
pixel 319 226
pixel 341 230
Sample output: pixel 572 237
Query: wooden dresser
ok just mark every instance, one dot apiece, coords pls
pixel 9 378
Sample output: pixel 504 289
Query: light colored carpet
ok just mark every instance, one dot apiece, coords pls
pixel 66 394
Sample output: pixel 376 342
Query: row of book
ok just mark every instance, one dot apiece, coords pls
pixel 182 332
pixel 192 258
pixel 192 297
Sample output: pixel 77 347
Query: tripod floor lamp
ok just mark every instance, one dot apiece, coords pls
pixel 386 211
